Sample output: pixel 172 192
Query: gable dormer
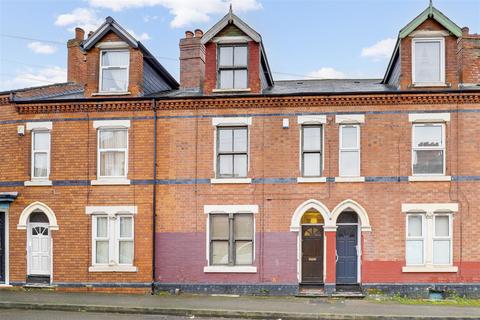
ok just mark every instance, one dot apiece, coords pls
pixel 425 55
pixel 228 58
pixel 111 62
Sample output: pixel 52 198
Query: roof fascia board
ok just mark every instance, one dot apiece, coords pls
pixel 266 65
pixel 107 26
pixel 391 63
pixel 437 16
pixel 224 22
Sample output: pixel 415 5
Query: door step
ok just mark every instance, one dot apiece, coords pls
pixel 342 291
pixel 45 286
pixel 307 291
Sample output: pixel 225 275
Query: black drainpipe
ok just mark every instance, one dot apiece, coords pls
pixel 154 195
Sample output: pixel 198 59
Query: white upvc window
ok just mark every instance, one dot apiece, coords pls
pixel 428 149
pixel 415 243
pixel 114 69
pixel 442 239
pixel 349 162
pixel 233 66
pixel 428 61
pixel 40 154
pixel 312 150
pixel 113 240
pixel 112 153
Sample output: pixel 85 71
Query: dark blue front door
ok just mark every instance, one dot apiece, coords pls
pixel 2 247
pixel 347 254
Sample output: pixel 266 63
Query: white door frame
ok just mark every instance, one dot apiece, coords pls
pixel 29 235
pixel 300 251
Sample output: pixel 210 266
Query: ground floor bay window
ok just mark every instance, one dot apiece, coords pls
pixel 428 246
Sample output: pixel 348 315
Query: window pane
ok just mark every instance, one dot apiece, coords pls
pixel 113 139
pixel 225 142
pixel 241 79
pixel 414 252
pixel 243 252
pixel 414 226
pixel 312 138
pixel 441 252
pixel 126 224
pixel 240 165
pixel 240 140
pixel 226 79
pixel 226 56
pixel 240 56
pixel 442 226
pixel 428 162
pixel 101 253
pixel 41 140
pixel 225 164
pixel 428 136
pixel 349 137
pixel 311 164
pixel 40 165
pixel 115 58
pixel 112 164
pixel 126 252
pixel 243 225
pixel 219 226
pixel 349 163
pixel 114 80
pixel 427 61
pixel 102 227
pixel 219 252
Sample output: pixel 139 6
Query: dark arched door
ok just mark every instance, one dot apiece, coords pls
pixel 347 244
pixel 312 254
pixel 2 247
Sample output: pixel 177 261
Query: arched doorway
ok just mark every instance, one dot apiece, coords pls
pixel 347 245
pixel 39 220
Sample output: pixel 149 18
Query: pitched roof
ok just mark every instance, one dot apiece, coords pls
pixel 53 91
pixel 437 15
pixel 110 25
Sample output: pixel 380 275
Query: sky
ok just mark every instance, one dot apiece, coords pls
pixel 304 39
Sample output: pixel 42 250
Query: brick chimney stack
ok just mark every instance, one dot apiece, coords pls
pixel 76 64
pixel 468 58
pixel 192 61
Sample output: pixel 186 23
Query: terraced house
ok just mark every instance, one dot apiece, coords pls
pixel 228 181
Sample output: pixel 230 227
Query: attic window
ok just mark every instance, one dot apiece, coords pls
pixel 232 67
pixel 428 65
pixel 114 66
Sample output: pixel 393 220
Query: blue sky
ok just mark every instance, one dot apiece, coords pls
pixel 303 38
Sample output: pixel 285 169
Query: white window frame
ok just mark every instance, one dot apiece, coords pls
pixel 39 127
pixel 47 151
pixel 429 212
pixel 230 209
pixel 232 67
pixel 127 70
pixel 113 214
pixel 449 237
pixel 343 149
pixel 441 40
pixel 416 238
pixel 441 148
pixel 106 125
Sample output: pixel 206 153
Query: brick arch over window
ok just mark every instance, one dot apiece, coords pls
pixel 37 206
pixel 355 206
pixel 304 207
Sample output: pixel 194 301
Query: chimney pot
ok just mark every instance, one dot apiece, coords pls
pixel 188 34
pixel 79 34
pixel 465 31
pixel 198 33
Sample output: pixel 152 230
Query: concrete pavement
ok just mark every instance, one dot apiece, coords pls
pixel 230 307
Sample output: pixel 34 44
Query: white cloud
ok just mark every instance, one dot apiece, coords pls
pixel 34 78
pixel 85 18
pixel 185 12
pixel 41 48
pixel 327 73
pixel 149 18
pixel 140 37
pixel 381 50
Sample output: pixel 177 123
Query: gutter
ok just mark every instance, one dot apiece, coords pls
pixel 261 95
pixel 154 196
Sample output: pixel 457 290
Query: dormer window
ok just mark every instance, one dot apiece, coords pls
pixel 114 65
pixel 428 61
pixel 232 67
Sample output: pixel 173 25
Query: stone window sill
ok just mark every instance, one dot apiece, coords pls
pixel 231 90
pixel 111 93
pixel 429 178
pixel 430 84
pixel 38 183
pixel 429 268
pixel 230 269
pixel 311 179
pixel 112 269
pixel 230 180
pixel 349 179
pixel 110 182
